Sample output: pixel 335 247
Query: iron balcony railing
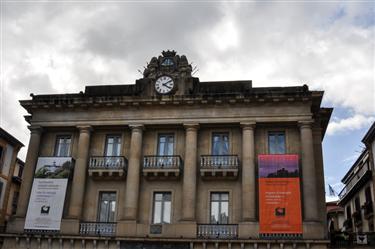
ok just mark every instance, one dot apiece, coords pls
pixel 217 231
pixel 108 162
pixel 97 228
pixel 219 161
pixel 162 162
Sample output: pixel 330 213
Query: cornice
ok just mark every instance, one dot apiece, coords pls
pixel 61 103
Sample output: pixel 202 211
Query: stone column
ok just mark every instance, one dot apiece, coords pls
pixel 248 172
pixel 308 172
pixel 79 177
pixel 28 173
pixel 190 173
pixel 133 177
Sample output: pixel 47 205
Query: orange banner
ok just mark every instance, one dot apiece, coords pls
pixel 279 195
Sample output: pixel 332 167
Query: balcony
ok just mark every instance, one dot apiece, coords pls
pixel 156 167
pixel 17 179
pixel 213 166
pixel 368 209
pixel 217 231
pixel 107 167
pixel 107 229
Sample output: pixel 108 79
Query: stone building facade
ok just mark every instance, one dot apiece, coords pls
pixel 357 196
pixel 9 172
pixel 172 162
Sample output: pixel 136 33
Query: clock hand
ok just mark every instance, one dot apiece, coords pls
pixel 167 86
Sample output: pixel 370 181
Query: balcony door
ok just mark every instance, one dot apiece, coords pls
pixel 165 150
pixel 107 207
pixel 112 150
pixel 219 208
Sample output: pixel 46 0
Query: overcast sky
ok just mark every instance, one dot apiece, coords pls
pixel 61 46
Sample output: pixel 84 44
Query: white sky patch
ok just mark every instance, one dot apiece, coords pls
pixel 349 124
pixel 225 35
pixel 331 198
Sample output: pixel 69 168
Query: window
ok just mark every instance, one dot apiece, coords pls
pixel 20 171
pixel 219 208
pixel 165 145
pixel 220 144
pixel 113 145
pixel 368 195
pixel 14 202
pixel 1 157
pixel 162 208
pixel 357 204
pixel 348 212
pixel 1 189
pixel 276 143
pixel 107 207
pixel 62 147
pixel 1 153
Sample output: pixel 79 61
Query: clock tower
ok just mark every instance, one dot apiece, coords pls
pixel 167 75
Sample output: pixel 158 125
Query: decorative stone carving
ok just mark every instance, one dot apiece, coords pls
pixel 168 63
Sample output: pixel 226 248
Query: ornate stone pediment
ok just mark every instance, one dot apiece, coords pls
pixel 169 63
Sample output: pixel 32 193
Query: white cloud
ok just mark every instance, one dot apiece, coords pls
pixel 67 46
pixel 349 124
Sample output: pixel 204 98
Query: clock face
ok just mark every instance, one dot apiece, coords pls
pixel 164 84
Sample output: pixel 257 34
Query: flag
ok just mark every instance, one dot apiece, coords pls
pixel 331 191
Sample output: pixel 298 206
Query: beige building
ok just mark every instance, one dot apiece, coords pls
pixel 10 167
pixel 172 162
pixel 357 197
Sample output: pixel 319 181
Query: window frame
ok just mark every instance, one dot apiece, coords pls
pixel 278 133
pixel 163 201
pixel 159 135
pixel 2 155
pixel 100 193
pixel 221 133
pixel 57 145
pixel 106 144
pixel 220 201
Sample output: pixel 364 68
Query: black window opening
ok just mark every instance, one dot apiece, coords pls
pixel 1 153
pixel 368 195
pixel 348 212
pixel 162 208
pixel 219 208
pixel 62 146
pixel 276 143
pixel 107 207
pixel 14 202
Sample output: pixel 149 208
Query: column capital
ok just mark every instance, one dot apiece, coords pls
pixel 248 125
pixel 305 124
pixel 84 128
pixel 137 127
pixel 35 129
pixel 191 126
